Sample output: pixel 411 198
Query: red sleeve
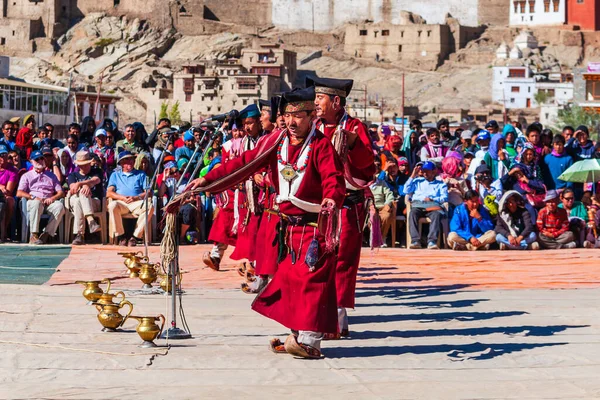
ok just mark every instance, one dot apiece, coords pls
pixel 360 156
pixel 236 164
pixel 330 169
pixel 564 226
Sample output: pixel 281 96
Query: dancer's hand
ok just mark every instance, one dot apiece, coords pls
pixel 328 203
pixel 196 183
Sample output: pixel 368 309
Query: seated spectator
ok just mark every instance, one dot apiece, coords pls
pixel 52 164
pixel 452 170
pixel 555 164
pixel 66 164
pixel 143 162
pixel 497 158
pixel 8 186
pixel 553 225
pixel 489 190
pixel 577 212
pixel 383 205
pixel 105 151
pixel 126 188
pixel 428 198
pixel 465 141
pixel 166 190
pixel 40 139
pixel 434 150
pixel 532 189
pixel 391 176
pixel 43 191
pixel 130 143
pixel 514 227
pixel 9 133
pixel 510 136
pixel 73 145
pixel 86 194
pixel 471 226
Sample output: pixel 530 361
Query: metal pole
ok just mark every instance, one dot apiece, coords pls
pixel 402 104
pixel 365 110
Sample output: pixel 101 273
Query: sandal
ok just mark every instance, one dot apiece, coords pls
pixel 248 290
pixel 241 270
pixel 331 336
pixel 300 350
pixel 276 346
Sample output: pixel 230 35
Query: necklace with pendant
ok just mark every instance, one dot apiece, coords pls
pixel 290 170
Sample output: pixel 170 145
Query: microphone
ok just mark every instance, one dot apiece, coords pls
pixel 222 117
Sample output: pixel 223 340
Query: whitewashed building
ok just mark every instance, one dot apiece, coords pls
pixel 513 86
pixel 537 12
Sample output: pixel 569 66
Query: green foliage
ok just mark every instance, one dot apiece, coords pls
pixel 576 116
pixel 174 114
pixel 541 97
pixel 164 110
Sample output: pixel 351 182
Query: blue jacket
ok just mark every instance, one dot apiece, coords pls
pixel 553 167
pixel 467 227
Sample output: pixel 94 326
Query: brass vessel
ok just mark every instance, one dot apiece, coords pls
pixel 93 291
pixel 133 261
pixel 109 315
pixel 148 330
pixel 166 281
pixel 107 298
pixel 148 274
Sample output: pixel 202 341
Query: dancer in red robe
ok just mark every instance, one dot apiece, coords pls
pixel 351 140
pixel 309 183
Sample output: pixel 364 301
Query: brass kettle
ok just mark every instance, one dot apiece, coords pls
pixel 107 298
pixel 133 261
pixel 93 291
pixel 109 315
pixel 148 330
pixel 148 274
pixel 165 283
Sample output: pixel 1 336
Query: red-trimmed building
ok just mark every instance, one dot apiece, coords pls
pixel 584 13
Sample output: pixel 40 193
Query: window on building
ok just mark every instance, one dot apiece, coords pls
pixel 219 109
pixel 531 6
pixel 385 32
pixel 208 108
pixel 2 41
pixel 516 73
pixel 580 1
pixel 516 4
pixel 515 89
pixel 375 33
pixel 428 33
pixel 402 34
pixel 188 97
pixel 13 33
pixel 522 5
pixel 555 4
pixel 512 100
pixel 245 102
pixel 199 87
pixel 116 2
pixel 529 89
pixel 546 5
pixel 363 32
pixel 419 33
pixel 399 48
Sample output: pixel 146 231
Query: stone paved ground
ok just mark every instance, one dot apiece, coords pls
pixel 428 325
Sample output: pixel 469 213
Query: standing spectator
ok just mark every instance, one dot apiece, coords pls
pixel 412 148
pixel 465 141
pixel 126 187
pixel 74 129
pixel 43 191
pixel 8 135
pixel 514 227
pixel 428 197
pixel 130 143
pixel 497 158
pixel 492 127
pixel 8 185
pixel 86 193
pixel 187 150
pixel 392 149
pixel 510 136
pixel 568 132
pixel 580 147
pixel 555 164
pixel 434 150
pixel 24 140
pixel 86 137
pixel 553 225
pixel 471 226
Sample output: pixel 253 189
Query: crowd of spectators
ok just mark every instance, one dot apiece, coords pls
pixel 492 187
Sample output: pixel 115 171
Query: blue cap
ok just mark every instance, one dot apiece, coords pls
pixel 483 135
pixel 492 124
pixel 3 149
pixel 46 150
pixel 251 111
pixel 100 132
pixel 124 154
pixel 36 155
pixel 428 166
pixel 188 135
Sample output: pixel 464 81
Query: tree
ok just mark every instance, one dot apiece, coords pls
pixel 575 116
pixel 164 110
pixel 174 114
pixel 541 97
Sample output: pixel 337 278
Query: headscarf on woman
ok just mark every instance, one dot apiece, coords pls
pixel 498 167
pixel 66 170
pixel 452 169
pixel 411 152
pixel 391 148
pixel 138 163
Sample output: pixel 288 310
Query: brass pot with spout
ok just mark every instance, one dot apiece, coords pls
pixel 148 330
pixel 93 291
pixel 109 315
pixel 148 274
pixel 166 280
pixel 107 298
pixel 133 261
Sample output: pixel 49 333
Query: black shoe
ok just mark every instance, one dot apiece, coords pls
pixel 78 241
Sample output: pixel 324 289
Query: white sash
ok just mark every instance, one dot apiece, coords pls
pixel 338 131
pixel 236 211
pixel 287 190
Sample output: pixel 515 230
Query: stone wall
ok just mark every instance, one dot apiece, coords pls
pixel 493 12
pixel 243 12
pixel 326 15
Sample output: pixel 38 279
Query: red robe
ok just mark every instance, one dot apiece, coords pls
pixel 360 166
pixel 297 298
